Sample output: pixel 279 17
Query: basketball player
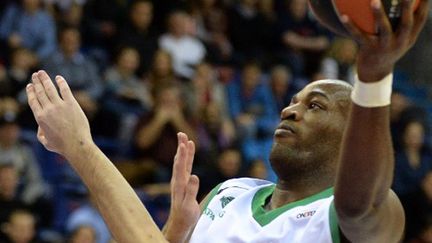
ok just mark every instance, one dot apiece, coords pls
pixel 332 152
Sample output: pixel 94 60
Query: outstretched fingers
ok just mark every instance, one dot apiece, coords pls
pixel 190 156
pixel 420 17
pixel 64 88
pixel 190 146
pixel 192 190
pixel 383 25
pixel 406 21
pixel 359 36
pixel 179 179
pixel 182 167
pixel 40 93
pixel 32 100
pixel 182 137
pixel 180 158
pixel 48 86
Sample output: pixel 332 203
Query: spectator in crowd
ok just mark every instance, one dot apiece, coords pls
pixel 61 5
pixel 156 133
pixel 215 133
pixel 67 12
pixel 186 50
pixel 413 176
pixel 228 165
pixel 86 82
pixel 162 10
pixel 83 234
pixel 72 63
pixel 258 169
pixel 20 227
pixel 162 70
pixel 101 22
pixel 303 41
pixel 22 25
pixel 252 108
pixel 402 109
pixel 10 204
pixel 212 28
pixel 14 151
pixel 399 103
pixel 87 218
pixel 206 100
pixel 268 9
pixel 9 200
pixel 4 4
pixel 282 86
pixel 22 63
pixel 136 32
pixel 5 88
pixel 125 93
pixel 248 30
pixel 339 61
pixel 32 189
pixel 205 88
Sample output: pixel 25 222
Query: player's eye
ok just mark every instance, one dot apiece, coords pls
pixel 314 106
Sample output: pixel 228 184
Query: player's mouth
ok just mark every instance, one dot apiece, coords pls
pixel 284 130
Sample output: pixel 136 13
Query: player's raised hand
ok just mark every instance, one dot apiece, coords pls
pixel 185 209
pixel 378 53
pixel 63 126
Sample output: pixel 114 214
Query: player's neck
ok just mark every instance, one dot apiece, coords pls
pixel 286 193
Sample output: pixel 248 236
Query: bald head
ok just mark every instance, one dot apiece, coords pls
pixel 338 89
pixel 337 83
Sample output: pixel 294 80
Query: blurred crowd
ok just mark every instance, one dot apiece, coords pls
pixel 142 70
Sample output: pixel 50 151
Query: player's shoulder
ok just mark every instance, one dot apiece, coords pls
pixel 245 182
pixel 233 188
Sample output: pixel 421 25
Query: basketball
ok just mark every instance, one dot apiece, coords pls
pixel 328 13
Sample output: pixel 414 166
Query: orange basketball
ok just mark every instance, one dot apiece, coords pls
pixel 328 12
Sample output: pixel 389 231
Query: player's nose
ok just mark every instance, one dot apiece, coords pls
pixel 292 112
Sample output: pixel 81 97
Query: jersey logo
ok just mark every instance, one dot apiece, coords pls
pixel 225 200
pixel 306 214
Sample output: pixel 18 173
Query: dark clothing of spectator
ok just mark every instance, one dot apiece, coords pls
pixel 162 151
pixel 407 185
pixel 249 34
pixel 80 71
pixel 102 19
pixel 304 62
pixel 145 42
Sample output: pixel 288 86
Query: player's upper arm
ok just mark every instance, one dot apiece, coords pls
pixel 384 223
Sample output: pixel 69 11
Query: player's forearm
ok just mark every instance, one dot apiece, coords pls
pixel 366 162
pixel 122 210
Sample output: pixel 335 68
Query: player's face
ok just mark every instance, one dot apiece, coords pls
pixel 313 111
pixel 311 127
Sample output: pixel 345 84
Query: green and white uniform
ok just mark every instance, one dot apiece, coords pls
pixel 235 213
